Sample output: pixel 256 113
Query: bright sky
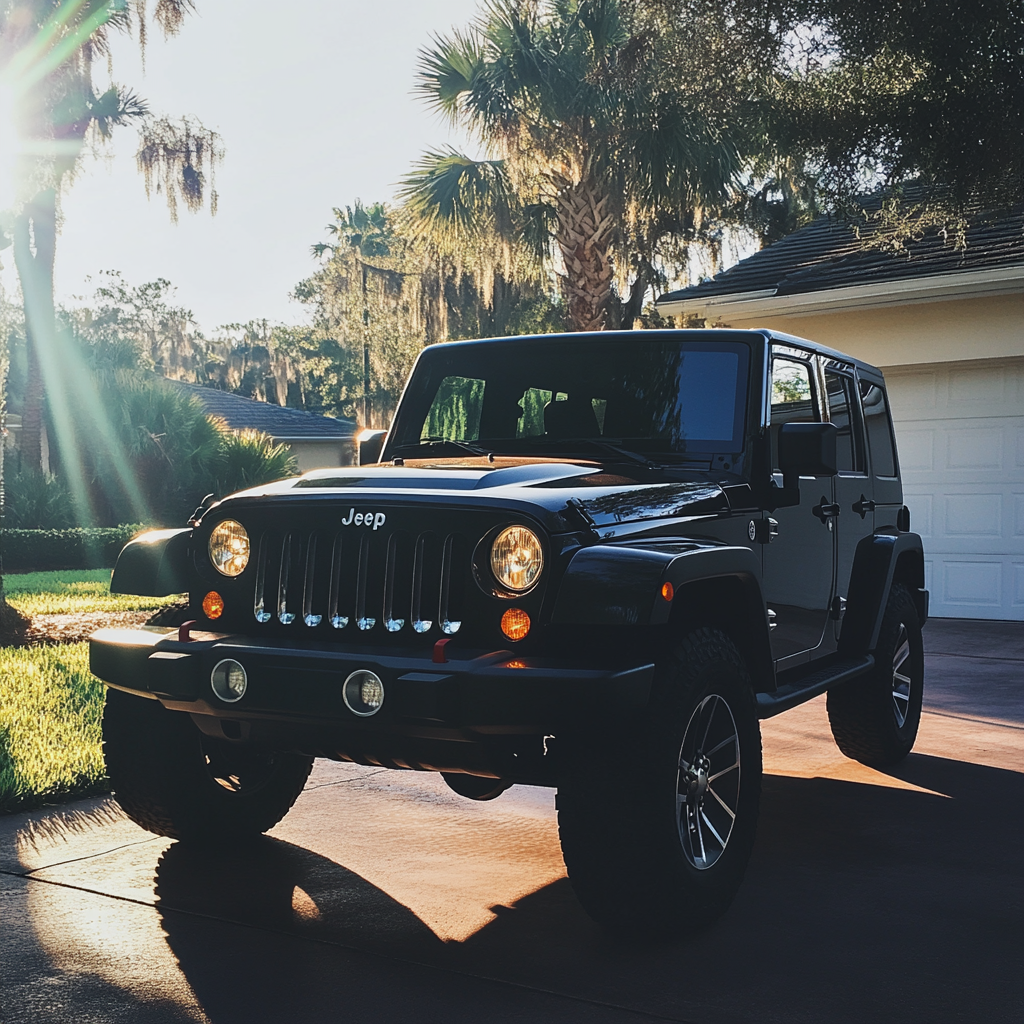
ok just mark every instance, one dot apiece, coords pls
pixel 313 101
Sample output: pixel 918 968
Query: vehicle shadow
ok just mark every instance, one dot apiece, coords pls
pixel 861 903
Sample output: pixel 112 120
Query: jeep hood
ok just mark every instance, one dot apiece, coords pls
pixel 554 491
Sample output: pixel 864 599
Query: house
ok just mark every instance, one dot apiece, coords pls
pixel 315 441
pixel 947 327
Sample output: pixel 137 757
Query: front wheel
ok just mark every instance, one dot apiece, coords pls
pixel 874 720
pixel 656 840
pixel 172 780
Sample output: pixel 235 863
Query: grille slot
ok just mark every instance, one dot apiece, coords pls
pixel 398 581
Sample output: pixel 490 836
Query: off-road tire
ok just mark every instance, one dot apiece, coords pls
pixel 172 780
pixel 863 713
pixel 619 808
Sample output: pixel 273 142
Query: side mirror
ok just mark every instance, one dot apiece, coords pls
pixel 370 444
pixel 807 449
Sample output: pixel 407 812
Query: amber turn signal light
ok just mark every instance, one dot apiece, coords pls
pixel 668 591
pixel 515 623
pixel 213 605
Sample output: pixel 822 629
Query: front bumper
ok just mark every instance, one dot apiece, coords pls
pixel 474 695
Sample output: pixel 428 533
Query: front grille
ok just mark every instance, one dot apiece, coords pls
pixel 362 580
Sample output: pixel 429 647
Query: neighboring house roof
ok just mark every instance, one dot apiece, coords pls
pixel 279 421
pixel 827 255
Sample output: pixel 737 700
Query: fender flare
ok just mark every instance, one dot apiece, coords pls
pixel 154 564
pixel 874 568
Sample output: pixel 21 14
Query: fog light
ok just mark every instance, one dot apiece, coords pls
pixel 515 623
pixel 363 693
pixel 213 605
pixel 229 680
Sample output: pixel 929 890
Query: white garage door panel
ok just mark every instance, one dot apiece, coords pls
pixel 960 431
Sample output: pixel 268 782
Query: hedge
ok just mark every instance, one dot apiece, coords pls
pixel 78 548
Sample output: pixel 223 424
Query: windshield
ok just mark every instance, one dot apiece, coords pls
pixel 581 395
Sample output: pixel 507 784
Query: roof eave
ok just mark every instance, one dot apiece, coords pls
pixel 967 284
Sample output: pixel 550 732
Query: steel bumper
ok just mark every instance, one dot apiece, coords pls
pixel 475 692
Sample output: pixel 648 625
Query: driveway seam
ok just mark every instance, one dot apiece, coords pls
pixel 650 1015
pixel 75 860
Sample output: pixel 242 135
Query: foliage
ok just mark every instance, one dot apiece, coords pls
pixel 72 592
pixel 76 548
pixel 608 139
pixel 35 500
pixel 248 459
pixel 382 293
pixel 51 708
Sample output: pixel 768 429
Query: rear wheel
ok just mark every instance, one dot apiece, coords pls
pixel 172 780
pixel 875 719
pixel 657 844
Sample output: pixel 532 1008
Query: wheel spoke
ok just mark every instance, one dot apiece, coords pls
pixel 724 771
pixel 902 651
pixel 899 695
pixel 725 806
pixel 714 750
pixel 721 841
pixel 711 718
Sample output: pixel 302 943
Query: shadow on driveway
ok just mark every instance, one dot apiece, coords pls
pixel 862 903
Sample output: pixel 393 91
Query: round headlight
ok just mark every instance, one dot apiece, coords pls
pixel 517 558
pixel 229 547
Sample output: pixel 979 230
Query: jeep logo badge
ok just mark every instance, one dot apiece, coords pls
pixel 374 519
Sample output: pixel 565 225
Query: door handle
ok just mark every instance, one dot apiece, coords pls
pixel 825 510
pixel 864 506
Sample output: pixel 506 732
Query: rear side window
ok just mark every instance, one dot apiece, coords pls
pixel 879 429
pixel 842 411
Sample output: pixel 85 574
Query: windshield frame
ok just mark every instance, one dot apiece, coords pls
pixel 411 408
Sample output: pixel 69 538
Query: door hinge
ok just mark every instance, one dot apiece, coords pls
pixel 764 531
pixel 838 607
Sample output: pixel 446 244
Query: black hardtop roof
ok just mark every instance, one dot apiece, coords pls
pixel 690 333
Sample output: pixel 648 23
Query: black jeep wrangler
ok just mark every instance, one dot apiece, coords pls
pixel 592 562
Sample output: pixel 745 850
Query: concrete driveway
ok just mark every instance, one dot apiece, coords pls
pixel 384 897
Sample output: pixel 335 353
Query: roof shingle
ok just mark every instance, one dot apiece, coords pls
pixel 827 253
pixel 279 421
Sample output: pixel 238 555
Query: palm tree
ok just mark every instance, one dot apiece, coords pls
pixel 590 142
pixel 48 49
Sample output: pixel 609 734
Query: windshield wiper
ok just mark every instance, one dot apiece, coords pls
pixel 614 449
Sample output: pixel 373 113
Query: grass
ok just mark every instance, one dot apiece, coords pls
pixel 50 712
pixel 72 591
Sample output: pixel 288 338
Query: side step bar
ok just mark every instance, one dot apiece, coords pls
pixel 792 694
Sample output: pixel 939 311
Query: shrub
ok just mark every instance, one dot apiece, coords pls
pixel 36 500
pixel 78 548
pixel 249 459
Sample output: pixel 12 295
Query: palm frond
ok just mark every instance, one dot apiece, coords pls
pixel 448 192
pixel 447 72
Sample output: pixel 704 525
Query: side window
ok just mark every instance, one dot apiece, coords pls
pixel 876 419
pixel 792 398
pixel 842 411
pixel 455 412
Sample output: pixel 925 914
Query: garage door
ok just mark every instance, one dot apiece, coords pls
pixel 960 431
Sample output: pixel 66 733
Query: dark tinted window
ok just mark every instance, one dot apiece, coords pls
pixel 523 396
pixel 876 419
pixel 842 412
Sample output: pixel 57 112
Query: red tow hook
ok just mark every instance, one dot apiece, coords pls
pixel 440 657
pixel 184 637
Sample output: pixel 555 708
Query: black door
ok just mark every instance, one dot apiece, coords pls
pixel 799 562
pixel 853 491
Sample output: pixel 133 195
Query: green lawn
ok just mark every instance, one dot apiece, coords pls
pixel 50 705
pixel 50 711
pixel 70 591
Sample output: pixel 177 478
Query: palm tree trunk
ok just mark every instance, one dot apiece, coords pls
pixel 584 235
pixel 35 241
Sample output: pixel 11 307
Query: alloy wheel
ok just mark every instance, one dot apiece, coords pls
pixel 708 782
pixel 900 678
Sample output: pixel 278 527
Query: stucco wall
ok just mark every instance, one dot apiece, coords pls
pixel 925 332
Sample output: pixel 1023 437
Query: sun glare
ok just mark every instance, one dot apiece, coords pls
pixel 8 147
